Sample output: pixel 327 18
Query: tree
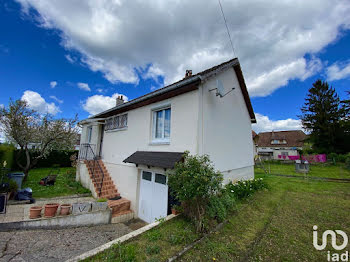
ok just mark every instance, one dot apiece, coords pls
pixel 322 113
pixel 23 126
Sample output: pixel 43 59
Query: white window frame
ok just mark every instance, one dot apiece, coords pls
pixel 89 134
pixel 112 129
pixel 163 140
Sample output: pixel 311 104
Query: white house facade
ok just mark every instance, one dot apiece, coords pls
pixel 137 142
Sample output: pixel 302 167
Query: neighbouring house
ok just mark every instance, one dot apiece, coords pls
pixel 135 143
pixel 255 142
pixel 278 145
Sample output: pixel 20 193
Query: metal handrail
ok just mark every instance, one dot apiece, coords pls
pixel 87 153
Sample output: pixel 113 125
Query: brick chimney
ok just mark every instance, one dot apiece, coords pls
pixel 188 73
pixel 119 100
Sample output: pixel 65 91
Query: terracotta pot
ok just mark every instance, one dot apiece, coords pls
pixel 51 209
pixel 65 208
pixel 174 211
pixel 35 212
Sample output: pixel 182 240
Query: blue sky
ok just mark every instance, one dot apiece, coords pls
pixel 60 62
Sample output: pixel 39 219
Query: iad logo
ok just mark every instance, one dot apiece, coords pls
pixel 334 256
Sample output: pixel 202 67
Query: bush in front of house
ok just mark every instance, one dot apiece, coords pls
pixel 195 183
pixel 244 189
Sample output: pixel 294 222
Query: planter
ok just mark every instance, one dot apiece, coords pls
pixel 35 212
pixel 99 206
pixel 65 208
pixel 51 209
pixel 79 208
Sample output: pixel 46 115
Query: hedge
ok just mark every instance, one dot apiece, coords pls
pixel 7 154
pixel 61 158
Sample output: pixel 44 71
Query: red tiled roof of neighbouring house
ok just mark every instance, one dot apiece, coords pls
pixel 293 138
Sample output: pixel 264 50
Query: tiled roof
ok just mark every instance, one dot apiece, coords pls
pixel 294 138
pixel 155 159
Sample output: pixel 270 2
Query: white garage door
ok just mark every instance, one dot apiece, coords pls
pixel 153 201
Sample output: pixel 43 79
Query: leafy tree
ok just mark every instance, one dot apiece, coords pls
pixel 322 115
pixel 24 126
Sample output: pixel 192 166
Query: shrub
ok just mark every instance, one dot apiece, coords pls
pixel 195 183
pixel 56 157
pixel 347 161
pixel 244 189
pixel 220 205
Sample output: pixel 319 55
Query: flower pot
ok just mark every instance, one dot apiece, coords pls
pixel 35 212
pixel 174 211
pixel 65 208
pixel 51 209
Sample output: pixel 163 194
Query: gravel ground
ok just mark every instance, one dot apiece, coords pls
pixel 56 245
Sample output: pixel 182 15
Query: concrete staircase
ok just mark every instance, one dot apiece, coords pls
pixel 120 208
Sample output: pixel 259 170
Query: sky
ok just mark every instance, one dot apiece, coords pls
pixel 70 56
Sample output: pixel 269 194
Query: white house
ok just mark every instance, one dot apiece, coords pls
pixel 138 141
pixel 280 145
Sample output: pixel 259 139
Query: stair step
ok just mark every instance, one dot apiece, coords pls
pixel 122 213
pixel 119 205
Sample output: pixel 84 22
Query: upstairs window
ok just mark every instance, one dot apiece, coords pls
pixel 278 142
pixel 161 125
pixel 117 122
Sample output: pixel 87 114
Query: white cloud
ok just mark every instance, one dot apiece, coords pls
pixel 100 90
pixel 98 103
pixel 70 59
pixel 53 84
pixel 153 88
pixel 56 99
pixel 84 86
pixel 265 124
pixel 338 71
pixel 120 38
pixel 37 102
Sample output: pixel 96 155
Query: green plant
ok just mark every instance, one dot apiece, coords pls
pixel 153 235
pixel 102 200
pixel 121 253
pixel 194 182
pixel 347 161
pixel 244 189
pixel 220 205
pixel 152 250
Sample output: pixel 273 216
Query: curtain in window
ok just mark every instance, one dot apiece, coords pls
pixel 159 124
pixel 167 123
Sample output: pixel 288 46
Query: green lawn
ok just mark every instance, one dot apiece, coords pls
pixel 65 183
pixel 276 225
pixel 272 225
pixel 316 170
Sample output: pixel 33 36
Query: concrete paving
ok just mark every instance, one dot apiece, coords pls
pixel 21 212
pixel 56 245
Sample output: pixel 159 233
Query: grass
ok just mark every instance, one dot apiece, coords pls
pixel 65 183
pixel 272 225
pixel 276 225
pixel 158 244
pixel 316 170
